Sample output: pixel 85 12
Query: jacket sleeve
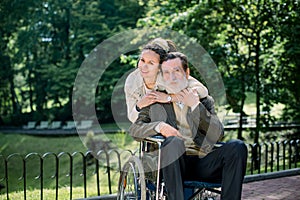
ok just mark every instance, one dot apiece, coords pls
pixel 143 126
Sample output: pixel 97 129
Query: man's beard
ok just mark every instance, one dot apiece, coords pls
pixel 175 88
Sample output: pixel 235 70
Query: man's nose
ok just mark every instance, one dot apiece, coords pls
pixel 173 77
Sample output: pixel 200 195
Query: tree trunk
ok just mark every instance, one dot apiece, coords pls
pixel 14 101
pixel 257 77
pixel 240 130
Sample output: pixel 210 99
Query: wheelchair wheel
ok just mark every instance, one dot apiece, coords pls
pixel 132 183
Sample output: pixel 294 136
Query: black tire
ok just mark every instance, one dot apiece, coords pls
pixel 132 183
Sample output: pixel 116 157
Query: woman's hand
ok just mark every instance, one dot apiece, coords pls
pixel 160 97
pixel 152 97
pixel 147 100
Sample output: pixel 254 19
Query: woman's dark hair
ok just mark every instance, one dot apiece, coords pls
pixel 161 47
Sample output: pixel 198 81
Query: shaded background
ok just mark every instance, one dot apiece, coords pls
pixel 255 45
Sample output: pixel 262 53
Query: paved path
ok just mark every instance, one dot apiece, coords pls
pixel 279 188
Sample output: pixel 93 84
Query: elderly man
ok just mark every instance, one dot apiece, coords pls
pixel 191 128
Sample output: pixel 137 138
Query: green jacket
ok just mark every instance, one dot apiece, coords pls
pixel 206 127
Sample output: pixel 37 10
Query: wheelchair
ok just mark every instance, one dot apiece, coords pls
pixel 141 179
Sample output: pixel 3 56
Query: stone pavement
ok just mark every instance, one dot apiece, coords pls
pixel 279 188
pixel 283 185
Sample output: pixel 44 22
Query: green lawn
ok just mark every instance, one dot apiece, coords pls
pixel 25 144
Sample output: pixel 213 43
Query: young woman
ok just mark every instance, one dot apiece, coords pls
pixel 142 86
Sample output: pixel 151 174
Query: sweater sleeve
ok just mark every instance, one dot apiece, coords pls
pixel 133 94
pixel 198 86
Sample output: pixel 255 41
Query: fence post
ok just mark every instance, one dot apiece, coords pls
pixel 278 154
pixel 266 157
pixel 6 170
pixel 97 175
pixel 55 175
pixel 70 174
pixel 284 155
pixel 24 178
pixel 252 159
pixel 259 157
pixel 272 156
pixel 297 152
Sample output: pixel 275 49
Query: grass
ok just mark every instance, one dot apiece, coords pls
pixel 25 144
pixel 250 106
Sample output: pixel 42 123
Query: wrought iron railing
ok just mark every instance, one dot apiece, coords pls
pixel 274 156
pixel 267 157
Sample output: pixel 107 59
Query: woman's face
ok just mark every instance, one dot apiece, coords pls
pixel 149 64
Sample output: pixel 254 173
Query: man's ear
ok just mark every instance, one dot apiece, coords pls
pixel 187 72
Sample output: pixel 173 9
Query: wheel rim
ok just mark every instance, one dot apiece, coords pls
pixel 132 181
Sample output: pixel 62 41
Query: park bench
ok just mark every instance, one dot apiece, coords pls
pixel 55 125
pixel 30 125
pixel 85 124
pixel 70 125
pixel 43 125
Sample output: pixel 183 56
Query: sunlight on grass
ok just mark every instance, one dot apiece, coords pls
pixel 50 194
pixel 250 106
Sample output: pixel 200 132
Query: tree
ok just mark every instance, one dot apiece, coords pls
pixel 242 38
pixel 44 44
pixel 288 60
pixel 9 12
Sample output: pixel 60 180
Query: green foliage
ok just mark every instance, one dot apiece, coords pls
pixel 254 44
pixel 43 43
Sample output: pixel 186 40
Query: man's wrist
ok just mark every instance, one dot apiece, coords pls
pixel 195 106
pixel 169 99
pixel 159 127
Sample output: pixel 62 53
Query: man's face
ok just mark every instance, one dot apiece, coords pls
pixel 174 76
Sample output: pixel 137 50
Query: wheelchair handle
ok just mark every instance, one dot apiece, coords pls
pixel 155 139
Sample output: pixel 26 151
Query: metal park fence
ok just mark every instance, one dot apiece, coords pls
pixel 103 168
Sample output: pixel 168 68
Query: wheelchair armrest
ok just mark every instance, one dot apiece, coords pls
pixel 155 139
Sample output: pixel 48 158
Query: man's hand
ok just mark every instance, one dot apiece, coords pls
pixel 189 97
pixel 168 131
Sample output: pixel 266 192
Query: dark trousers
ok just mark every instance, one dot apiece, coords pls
pixel 226 165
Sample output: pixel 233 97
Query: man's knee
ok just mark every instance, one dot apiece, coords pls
pixel 238 148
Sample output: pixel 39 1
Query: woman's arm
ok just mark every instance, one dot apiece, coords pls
pixel 133 93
